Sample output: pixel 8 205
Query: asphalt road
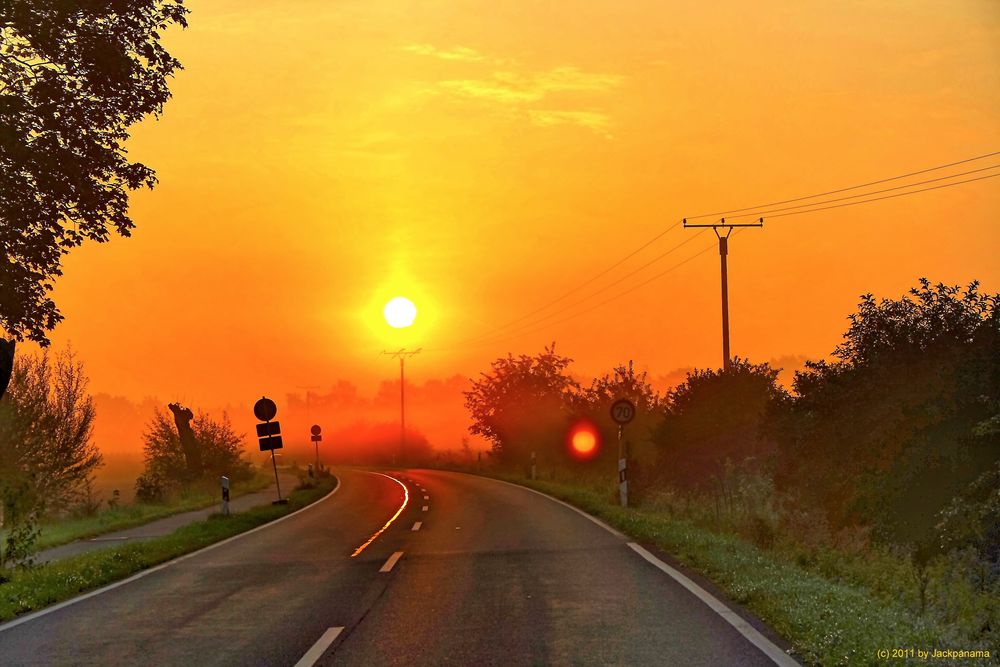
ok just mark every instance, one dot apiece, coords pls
pixel 494 575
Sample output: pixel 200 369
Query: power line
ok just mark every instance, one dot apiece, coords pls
pixel 590 296
pixel 492 337
pixel 869 194
pixel 576 289
pixel 657 237
pixel 901 194
pixel 847 189
pixel 619 295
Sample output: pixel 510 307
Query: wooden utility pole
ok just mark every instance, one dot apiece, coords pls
pixel 402 355
pixel 724 253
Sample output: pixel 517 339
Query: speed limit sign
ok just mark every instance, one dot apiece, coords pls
pixel 622 411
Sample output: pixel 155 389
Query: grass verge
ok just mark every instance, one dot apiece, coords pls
pixel 827 621
pixel 33 588
pixel 110 520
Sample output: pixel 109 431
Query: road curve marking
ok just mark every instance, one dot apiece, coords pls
pixel 393 559
pixel 767 647
pixel 406 501
pixel 139 575
pixel 417 525
pixel 579 511
pixel 317 650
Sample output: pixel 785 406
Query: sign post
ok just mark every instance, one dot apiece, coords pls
pixel 622 411
pixel 316 438
pixel 225 495
pixel 269 436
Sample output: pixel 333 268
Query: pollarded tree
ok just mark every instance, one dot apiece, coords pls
pixel 520 405
pixel 74 77
pixel 168 468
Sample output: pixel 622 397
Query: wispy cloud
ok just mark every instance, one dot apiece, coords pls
pixel 460 53
pixel 592 120
pixel 519 91
pixel 517 88
pixel 523 91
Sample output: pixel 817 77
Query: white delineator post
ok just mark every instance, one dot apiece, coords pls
pixel 622 471
pixel 225 496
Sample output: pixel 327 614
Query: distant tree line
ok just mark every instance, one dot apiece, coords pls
pixel 897 434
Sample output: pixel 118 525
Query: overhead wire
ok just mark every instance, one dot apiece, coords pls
pixel 498 334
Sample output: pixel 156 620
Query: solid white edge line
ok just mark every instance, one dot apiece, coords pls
pixel 769 648
pixel 579 511
pixel 317 650
pixel 156 568
pixel 393 559
pixel 417 525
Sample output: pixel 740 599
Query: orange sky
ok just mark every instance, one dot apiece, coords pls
pixel 481 158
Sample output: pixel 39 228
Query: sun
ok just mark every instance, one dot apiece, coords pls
pixel 399 312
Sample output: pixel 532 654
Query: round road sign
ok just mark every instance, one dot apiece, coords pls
pixel 622 411
pixel 265 409
pixel 316 430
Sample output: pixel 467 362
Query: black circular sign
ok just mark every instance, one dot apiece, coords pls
pixel 622 411
pixel 265 409
pixel 316 430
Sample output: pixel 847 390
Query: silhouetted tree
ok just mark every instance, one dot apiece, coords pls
pixel 593 403
pixel 46 454
pixel 899 423
pixel 520 405
pixel 74 76
pixel 168 470
pixel 716 416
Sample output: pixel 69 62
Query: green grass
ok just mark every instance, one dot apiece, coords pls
pixel 828 621
pixel 110 520
pixel 32 588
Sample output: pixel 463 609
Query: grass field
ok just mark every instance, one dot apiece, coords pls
pixel 61 531
pixel 27 589
pixel 829 619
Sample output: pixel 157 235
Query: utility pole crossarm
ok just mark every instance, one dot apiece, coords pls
pixel 723 223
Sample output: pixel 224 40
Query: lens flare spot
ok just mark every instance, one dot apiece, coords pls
pixel 583 440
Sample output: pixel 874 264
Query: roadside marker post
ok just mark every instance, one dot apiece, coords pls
pixel 269 436
pixel 532 466
pixel 622 411
pixel 225 495
pixel 316 438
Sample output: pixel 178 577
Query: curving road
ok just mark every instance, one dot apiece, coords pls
pixel 493 574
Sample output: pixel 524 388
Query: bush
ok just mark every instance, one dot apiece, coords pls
pixel 171 468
